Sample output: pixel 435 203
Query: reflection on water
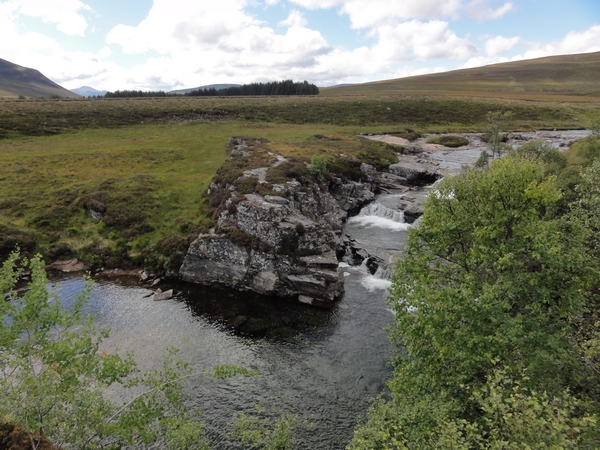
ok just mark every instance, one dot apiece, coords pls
pixel 325 364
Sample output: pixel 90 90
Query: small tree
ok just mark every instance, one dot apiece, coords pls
pixel 496 120
pixel 317 166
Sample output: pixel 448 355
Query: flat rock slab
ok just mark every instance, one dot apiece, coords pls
pixel 68 266
pixel 389 139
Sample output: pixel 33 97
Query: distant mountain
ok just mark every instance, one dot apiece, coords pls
pixel 217 87
pixel 555 78
pixel 18 81
pixel 86 91
pixel 339 85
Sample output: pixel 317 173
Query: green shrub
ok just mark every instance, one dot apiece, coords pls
pixel 62 396
pixel 487 137
pixel 317 166
pixel 449 141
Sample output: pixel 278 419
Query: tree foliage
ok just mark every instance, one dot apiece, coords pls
pixel 317 166
pixel 261 432
pixel 58 382
pixel 496 121
pixel 133 94
pixel 492 299
pixel 286 87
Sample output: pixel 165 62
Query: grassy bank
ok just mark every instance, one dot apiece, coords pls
pixel 144 163
pixel 146 181
pixel 49 117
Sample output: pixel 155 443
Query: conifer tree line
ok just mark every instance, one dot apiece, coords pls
pixel 286 87
pixel 133 93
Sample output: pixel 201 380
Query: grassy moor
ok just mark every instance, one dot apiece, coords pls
pixel 565 78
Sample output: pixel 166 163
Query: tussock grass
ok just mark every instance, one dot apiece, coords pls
pixel 438 114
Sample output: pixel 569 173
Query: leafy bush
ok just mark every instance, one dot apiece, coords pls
pixel 54 376
pixel 317 166
pixel 490 319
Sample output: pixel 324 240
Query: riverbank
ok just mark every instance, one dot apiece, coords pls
pixel 283 238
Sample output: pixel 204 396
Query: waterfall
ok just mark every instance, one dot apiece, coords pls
pixel 378 215
pixel 383 273
pixel 379 281
pixel 378 210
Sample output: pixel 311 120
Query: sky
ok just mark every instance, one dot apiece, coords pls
pixel 177 44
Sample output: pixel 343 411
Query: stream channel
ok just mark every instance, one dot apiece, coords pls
pixel 323 365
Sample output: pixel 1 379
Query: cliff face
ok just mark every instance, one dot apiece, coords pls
pixel 285 242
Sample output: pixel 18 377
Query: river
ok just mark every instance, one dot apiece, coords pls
pixel 324 365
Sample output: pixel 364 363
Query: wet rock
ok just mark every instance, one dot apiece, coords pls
pixel 237 321
pixel 160 296
pixel 412 210
pixel 416 173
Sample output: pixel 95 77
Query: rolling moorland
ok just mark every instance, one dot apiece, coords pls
pixel 146 163
pixel 567 78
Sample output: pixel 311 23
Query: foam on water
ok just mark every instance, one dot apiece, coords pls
pixel 378 215
pixel 379 222
pixel 372 283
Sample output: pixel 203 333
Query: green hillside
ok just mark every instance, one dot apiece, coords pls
pixel 554 78
pixel 18 81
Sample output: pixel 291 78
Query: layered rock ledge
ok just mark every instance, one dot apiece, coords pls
pixel 284 245
pixel 284 239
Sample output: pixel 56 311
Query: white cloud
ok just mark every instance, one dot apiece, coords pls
pixel 499 44
pixel 318 4
pixel 295 19
pixel 482 10
pixel 479 61
pixel 573 42
pixel 196 43
pixel 65 14
pixel 212 43
pixel 422 41
pixel 371 14
pixel 172 25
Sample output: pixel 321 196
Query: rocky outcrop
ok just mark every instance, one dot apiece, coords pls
pixel 283 245
pixel 283 241
pixel 415 171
